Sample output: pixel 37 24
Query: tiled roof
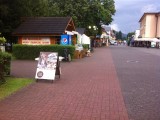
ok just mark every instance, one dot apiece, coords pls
pixel 43 25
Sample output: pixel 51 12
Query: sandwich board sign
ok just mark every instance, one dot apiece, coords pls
pixel 47 65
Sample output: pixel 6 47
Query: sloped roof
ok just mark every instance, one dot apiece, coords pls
pixel 44 25
pixel 80 30
pixel 106 27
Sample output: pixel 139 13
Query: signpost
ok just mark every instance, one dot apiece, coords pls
pixel 48 66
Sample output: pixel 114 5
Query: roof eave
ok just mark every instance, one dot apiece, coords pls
pixel 36 34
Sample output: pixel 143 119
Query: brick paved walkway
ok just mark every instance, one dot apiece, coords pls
pixel 88 90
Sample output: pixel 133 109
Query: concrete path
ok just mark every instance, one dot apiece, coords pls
pixel 88 90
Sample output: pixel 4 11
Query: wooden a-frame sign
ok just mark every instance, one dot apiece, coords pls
pixel 48 66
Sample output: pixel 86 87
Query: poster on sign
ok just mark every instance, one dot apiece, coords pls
pixel 47 64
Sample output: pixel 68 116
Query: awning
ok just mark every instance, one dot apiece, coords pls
pixel 69 32
pixel 147 39
pixel 104 35
pixel 75 32
pixel 85 39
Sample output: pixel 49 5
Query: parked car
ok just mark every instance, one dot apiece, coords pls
pixel 113 42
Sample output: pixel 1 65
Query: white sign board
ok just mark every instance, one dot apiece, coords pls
pixel 36 41
pixel 46 67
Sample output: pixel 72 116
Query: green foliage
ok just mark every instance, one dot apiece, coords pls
pixel 129 35
pixel 30 52
pixel 119 35
pixel 4 56
pixel 85 46
pixel 5 60
pixel 83 12
pixel 11 12
pixel 31 8
pixel 2 40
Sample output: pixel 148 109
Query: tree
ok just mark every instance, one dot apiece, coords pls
pixel 83 12
pixel 31 8
pixel 11 12
pixel 119 35
pixel 74 8
pixel 129 35
pixel 2 39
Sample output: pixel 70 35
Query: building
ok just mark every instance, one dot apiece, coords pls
pixel 44 30
pixel 137 34
pixel 150 25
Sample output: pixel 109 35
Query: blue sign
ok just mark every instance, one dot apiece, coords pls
pixel 70 41
pixel 64 40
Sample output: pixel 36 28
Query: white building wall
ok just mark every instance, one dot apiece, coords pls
pixel 137 33
pixel 158 26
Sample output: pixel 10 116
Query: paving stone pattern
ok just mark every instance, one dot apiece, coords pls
pixel 88 90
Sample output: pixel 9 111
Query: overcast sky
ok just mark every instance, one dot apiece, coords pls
pixel 129 12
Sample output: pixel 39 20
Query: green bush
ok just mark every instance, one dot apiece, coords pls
pixel 5 61
pixel 2 39
pixel 85 46
pixel 30 52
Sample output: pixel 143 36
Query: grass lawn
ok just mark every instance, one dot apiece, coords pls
pixel 12 85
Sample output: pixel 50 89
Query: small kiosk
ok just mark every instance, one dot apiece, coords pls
pixel 44 30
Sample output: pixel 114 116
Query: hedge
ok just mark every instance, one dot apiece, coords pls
pixel 85 46
pixel 30 52
pixel 5 61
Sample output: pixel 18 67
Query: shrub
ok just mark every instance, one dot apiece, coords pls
pixel 85 46
pixel 5 61
pixel 2 39
pixel 30 52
